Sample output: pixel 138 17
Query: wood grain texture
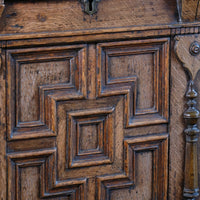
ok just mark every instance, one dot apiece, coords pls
pixel 48 187
pixel 69 15
pixel 78 149
pixel 188 10
pixel 177 142
pixel 91 73
pixel 184 47
pixel 107 159
pixel 84 149
pixel 191 116
pixel 3 164
pixel 178 85
pixel 82 36
pixel 143 190
pixel 187 49
pixel 129 82
pixel 135 150
pixel 196 82
pixel 129 65
pixel 32 75
pixel 29 179
pixel 198 13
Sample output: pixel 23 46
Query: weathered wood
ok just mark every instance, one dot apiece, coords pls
pixel 188 10
pixel 2 7
pixel 85 100
pixel 191 115
pixel 176 127
pixel 68 15
pixel 87 125
pixel 3 164
pixel 187 49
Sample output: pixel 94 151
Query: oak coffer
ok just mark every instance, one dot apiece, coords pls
pixel 99 99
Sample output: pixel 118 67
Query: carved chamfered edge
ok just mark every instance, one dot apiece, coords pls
pixel 188 10
pixel 1 65
pixel 2 6
pixel 179 9
pixel 187 49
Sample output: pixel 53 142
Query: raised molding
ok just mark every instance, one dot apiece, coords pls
pixel 47 93
pixel 102 118
pixel 49 186
pixel 69 112
pixel 158 145
pixel 127 85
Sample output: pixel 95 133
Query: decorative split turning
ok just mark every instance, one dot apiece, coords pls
pixel 191 115
pixel 187 49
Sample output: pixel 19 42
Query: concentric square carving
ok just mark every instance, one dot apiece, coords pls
pixel 34 75
pixel 91 137
pixel 156 148
pixel 138 70
pixel 88 156
pixel 99 122
pixel 42 164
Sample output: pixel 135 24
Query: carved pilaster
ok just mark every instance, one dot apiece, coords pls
pixel 191 115
pixel 187 49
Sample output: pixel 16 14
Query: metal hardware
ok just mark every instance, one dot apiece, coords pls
pixel 90 6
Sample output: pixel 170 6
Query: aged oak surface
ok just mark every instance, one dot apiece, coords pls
pixel 92 100
pixel 187 49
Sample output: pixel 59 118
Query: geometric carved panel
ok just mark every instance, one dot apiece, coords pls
pixel 138 70
pixel 156 148
pixel 91 132
pixel 136 149
pixel 33 75
pixel 124 64
pixel 43 73
pixel 75 160
pixel 42 165
pixel 90 159
pixel 93 158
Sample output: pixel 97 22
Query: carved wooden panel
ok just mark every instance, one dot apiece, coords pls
pixel 157 146
pixel 42 164
pixel 70 106
pixel 33 74
pixel 84 124
pixel 120 71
